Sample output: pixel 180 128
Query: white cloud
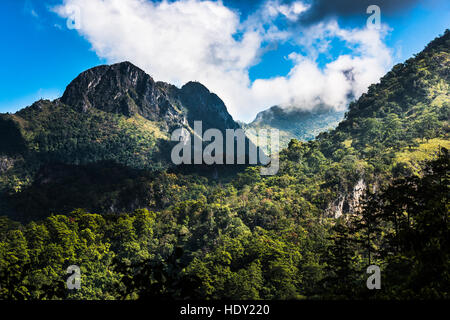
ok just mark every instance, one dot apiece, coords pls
pixel 197 40
pixel 272 8
pixel 293 10
pixel 308 85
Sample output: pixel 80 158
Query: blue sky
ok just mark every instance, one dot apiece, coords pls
pixel 41 55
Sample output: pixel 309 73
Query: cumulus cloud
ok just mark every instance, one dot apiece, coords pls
pixel 186 40
pixel 291 11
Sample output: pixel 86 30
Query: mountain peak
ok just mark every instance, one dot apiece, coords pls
pixel 195 86
pixel 296 123
pixel 125 89
pixel 205 105
pixel 110 88
pixel 126 68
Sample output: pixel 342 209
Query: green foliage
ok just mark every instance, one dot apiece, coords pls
pixel 167 235
pixel 50 132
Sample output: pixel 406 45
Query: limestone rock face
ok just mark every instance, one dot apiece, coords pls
pixel 347 202
pixel 125 89
pixel 6 163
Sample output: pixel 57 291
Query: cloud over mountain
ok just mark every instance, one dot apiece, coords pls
pixel 186 40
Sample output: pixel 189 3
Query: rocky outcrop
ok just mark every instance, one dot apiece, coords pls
pixel 347 203
pixel 6 163
pixel 202 104
pixel 125 89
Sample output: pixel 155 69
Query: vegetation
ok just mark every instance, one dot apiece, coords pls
pixel 205 250
pixel 303 234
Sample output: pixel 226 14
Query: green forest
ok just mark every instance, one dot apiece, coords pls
pixel 139 229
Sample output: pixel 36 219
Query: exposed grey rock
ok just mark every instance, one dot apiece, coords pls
pixel 6 163
pixel 125 89
pixel 347 203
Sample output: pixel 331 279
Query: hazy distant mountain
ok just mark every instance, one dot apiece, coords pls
pixel 295 123
pixel 127 90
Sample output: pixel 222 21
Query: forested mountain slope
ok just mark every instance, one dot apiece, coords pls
pixel 108 113
pixel 372 191
pixel 401 121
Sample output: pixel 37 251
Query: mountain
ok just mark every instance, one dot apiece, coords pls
pixel 120 115
pixel 108 113
pixel 372 191
pixel 295 123
pixel 127 90
pixel 391 130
